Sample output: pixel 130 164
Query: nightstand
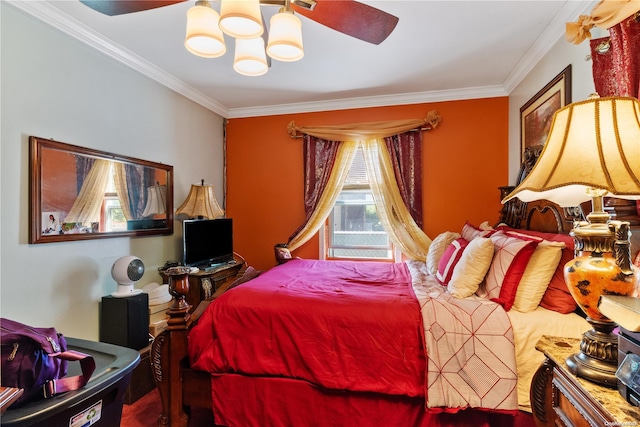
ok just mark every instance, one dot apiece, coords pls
pixel 559 398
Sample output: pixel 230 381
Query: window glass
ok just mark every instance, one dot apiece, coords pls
pixel 112 214
pixel 354 229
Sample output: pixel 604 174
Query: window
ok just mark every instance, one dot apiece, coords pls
pixel 353 228
pixel 112 216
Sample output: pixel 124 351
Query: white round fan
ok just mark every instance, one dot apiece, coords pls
pixel 126 271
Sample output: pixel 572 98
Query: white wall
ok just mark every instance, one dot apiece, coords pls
pixel 561 54
pixel 54 86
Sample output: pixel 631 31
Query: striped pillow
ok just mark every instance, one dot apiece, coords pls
pixel 510 260
pixel 437 248
pixel 449 259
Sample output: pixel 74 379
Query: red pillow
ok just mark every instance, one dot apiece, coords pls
pixel 557 296
pixel 568 240
pixel 510 260
pixel 449 259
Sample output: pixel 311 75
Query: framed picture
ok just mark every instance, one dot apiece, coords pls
pixel 51 223
pixel 537 114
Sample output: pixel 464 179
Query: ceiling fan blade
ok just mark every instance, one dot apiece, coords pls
pixel 352 18
pixel 121 7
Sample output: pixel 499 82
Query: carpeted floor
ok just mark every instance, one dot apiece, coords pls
pixel 145 412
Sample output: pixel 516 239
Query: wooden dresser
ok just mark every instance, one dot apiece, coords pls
pixel 559 398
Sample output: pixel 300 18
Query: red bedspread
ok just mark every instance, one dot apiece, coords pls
pixel 341 325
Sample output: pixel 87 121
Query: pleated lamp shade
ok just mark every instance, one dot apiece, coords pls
pixel 592 144
pixel 201 203
pixel 156 200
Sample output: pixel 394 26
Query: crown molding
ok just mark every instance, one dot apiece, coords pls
pixel 370 101
pixel 49 14
pixel 554 32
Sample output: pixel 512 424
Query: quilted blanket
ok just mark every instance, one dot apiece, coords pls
pixel 470 348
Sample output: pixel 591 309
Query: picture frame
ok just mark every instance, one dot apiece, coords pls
pixel 51 223
pixel 537 114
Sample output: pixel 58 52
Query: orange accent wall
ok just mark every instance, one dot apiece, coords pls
pixel 465 160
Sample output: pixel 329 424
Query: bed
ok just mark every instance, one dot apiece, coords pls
pixel 372 344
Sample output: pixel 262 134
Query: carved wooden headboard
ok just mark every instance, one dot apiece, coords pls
pixel 540 215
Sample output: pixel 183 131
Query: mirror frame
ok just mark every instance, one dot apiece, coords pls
pixel 36 147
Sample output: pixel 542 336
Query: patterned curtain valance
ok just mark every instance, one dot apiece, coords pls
pixel 365 131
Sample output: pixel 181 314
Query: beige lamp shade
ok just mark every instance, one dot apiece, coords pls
pixel 156 200
pixel 592 144
pixel 285 37
pixel 250 58
pixel 201 203
pixel 241 18
pixel 204 37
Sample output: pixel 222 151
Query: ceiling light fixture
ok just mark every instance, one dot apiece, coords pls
pixel 285 37
pixel 242 20
pixel 250 58
pixel 204 36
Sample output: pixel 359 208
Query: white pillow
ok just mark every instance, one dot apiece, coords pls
pixel 472 267
pixel 437 248
pixel 538 275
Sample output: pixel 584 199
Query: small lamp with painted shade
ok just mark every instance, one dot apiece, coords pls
pixel 593 151
pixel 201 203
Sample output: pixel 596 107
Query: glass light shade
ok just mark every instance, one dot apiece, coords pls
pixel 204 37
pixel 591 144
pixel 241 18
pixel 285 37
pixel 250 58
pixel 201 202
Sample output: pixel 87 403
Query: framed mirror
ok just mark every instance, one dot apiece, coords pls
pixel 77 193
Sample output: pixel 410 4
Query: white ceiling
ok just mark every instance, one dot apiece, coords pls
pixel 440 50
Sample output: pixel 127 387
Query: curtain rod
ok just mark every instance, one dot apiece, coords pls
pixel 409 130
pixel 387 127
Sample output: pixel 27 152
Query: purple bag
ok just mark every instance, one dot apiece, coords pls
pixel 35 360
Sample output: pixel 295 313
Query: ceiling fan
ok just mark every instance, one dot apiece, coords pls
pixel 346 16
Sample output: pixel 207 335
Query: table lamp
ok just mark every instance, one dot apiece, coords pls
pixel 201 203
pixel 156 200
pixel 593 151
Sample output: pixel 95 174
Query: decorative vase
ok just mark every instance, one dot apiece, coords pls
pixel 602 266
pixel 179 286
pixel 590 275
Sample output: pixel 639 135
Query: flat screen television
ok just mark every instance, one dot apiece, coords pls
pixel 207 242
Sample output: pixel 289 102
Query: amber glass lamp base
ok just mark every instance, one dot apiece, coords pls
pixel 602 266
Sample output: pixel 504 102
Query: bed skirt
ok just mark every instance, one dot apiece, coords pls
pixel 240 401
